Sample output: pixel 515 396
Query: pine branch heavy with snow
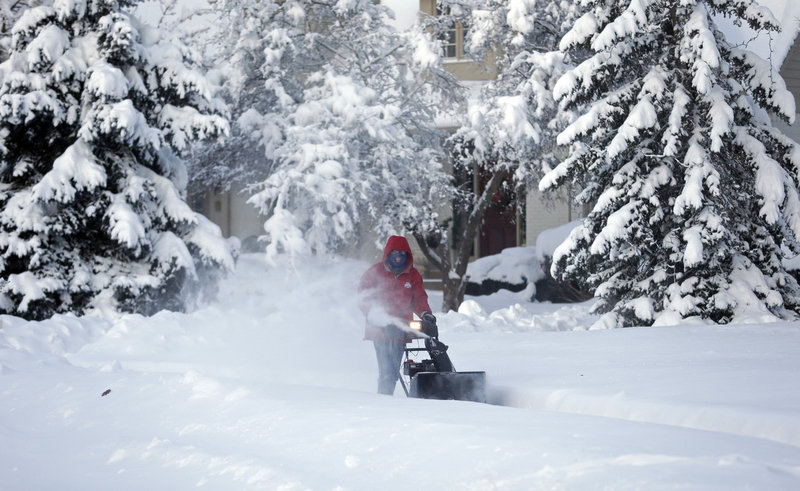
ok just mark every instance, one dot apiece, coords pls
pixel 94 108
pixel 10 12
pixel 694 193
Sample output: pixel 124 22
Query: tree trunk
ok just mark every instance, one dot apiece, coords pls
pixel 453 290
pixel 454 269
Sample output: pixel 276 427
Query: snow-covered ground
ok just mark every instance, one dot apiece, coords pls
pixel 272 388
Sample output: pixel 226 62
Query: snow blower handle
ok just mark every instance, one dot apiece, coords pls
pixel 429 325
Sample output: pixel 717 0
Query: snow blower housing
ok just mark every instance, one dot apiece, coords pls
pixel 436 378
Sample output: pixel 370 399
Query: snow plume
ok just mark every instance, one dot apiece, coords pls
pixel 92 121
pixel 695 193
pixel 342 107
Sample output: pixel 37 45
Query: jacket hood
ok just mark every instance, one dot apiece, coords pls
pixel 401 244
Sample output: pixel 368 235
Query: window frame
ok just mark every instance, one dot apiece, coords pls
pixel 455 33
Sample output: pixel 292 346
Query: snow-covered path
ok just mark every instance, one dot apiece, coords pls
pixel 719 378
pixel 273 389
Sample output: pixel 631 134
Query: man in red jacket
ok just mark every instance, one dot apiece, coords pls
pixel 394 293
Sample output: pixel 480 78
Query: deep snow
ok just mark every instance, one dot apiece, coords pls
pixel 272 388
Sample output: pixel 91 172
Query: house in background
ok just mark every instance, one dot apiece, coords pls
pixel 508 222
pixel 231 212
pixel 512 223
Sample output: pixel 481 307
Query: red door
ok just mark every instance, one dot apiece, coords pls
pixel 499 228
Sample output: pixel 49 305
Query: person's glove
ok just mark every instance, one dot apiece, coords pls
pixel 429 325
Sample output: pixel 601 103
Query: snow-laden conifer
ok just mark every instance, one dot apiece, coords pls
pixel 694 192
pixel 94 108
pixel 341 109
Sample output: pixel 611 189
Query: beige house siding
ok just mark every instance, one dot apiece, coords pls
pixel 792 131
pixel 790 71
pixel 546 212
pixel 231 212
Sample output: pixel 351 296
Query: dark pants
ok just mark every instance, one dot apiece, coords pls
pixel 389 357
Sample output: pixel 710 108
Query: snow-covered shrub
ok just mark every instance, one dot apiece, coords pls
pixel 694 192
pixel 553 289
pixel 94 108
pixel 513 269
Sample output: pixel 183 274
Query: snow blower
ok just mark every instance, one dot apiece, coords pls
pixel 436 378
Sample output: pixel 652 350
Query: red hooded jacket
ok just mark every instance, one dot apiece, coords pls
pixel 401 295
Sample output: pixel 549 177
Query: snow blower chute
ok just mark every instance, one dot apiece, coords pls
pixel 436 378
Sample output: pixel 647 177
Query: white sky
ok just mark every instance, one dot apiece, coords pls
pixel 405 12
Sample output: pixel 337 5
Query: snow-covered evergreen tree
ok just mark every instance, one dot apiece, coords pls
pixel 694 193
pixel 94 109
pixel 341 108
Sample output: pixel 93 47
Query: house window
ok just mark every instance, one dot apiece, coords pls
pixel 449 38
